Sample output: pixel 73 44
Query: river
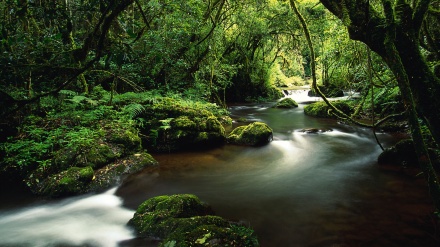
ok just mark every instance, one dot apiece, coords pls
pixel 322 189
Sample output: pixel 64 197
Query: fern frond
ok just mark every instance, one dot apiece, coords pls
pixel 134 109
pixel 78 99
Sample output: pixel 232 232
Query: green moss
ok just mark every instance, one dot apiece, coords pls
pixel 151 216
pixel 286 103
pixel 183 123
pixel 213 125
pixel 208 231
pixel 256 133
pixel 112 173
pixel 183 220
pixel 187 132
pixel 320 109
pixel 70 182
pixel 97 156
pixel 127 137
pixel 64 158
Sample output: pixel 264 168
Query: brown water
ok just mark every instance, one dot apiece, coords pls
pixel 321 189
pixel 300 190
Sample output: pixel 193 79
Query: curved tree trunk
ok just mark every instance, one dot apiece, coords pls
pixel 394 35
pixel 370 27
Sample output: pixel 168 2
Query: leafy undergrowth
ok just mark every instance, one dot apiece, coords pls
pixel 96 132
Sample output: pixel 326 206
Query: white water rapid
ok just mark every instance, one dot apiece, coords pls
pixel 94 220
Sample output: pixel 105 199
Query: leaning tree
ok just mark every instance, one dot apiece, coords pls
pixel 397 31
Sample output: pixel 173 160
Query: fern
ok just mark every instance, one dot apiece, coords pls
pixel 133 110
pixel 77 99
pixel 166 123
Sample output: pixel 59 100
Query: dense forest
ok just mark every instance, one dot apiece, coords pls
pixel 88 83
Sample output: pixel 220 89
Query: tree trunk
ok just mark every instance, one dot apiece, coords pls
pixel 367 25
pixel 395 38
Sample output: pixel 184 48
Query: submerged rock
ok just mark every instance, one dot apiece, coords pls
pixel 403 153
pixel 315 130
pixel 286 103
pixel 256 133
pixel 183 220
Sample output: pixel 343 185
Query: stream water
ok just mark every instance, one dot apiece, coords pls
pixel 302 189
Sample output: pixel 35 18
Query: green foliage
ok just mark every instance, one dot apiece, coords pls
pixel 133 110
pixel 385 100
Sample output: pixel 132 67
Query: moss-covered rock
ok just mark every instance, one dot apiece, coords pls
pixel 73 181
pixel 127 137
pixel 183 123
pixel 183 220
pixel 151 217
pixel 286 103
pixel 321 109
pixel 330 91
pixel 114 172
pixel 186 132
pixel 97 156
pixel 256 133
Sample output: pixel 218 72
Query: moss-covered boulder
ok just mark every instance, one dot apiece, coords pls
pixel 256 133
pixel 321 109
pixel 329 91
pixel 96 156
pixel 150 219
pixel 403 153
pixel 115 171
pixel 171 125
pixel 185 132
pixel 183 220
pixel 286 103
pixel 73 181
pixel 127 137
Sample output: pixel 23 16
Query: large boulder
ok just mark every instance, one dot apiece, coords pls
pixel 173 125
pixel 286 103
pixel 186 133
pixel 183 220
pixel 256 133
